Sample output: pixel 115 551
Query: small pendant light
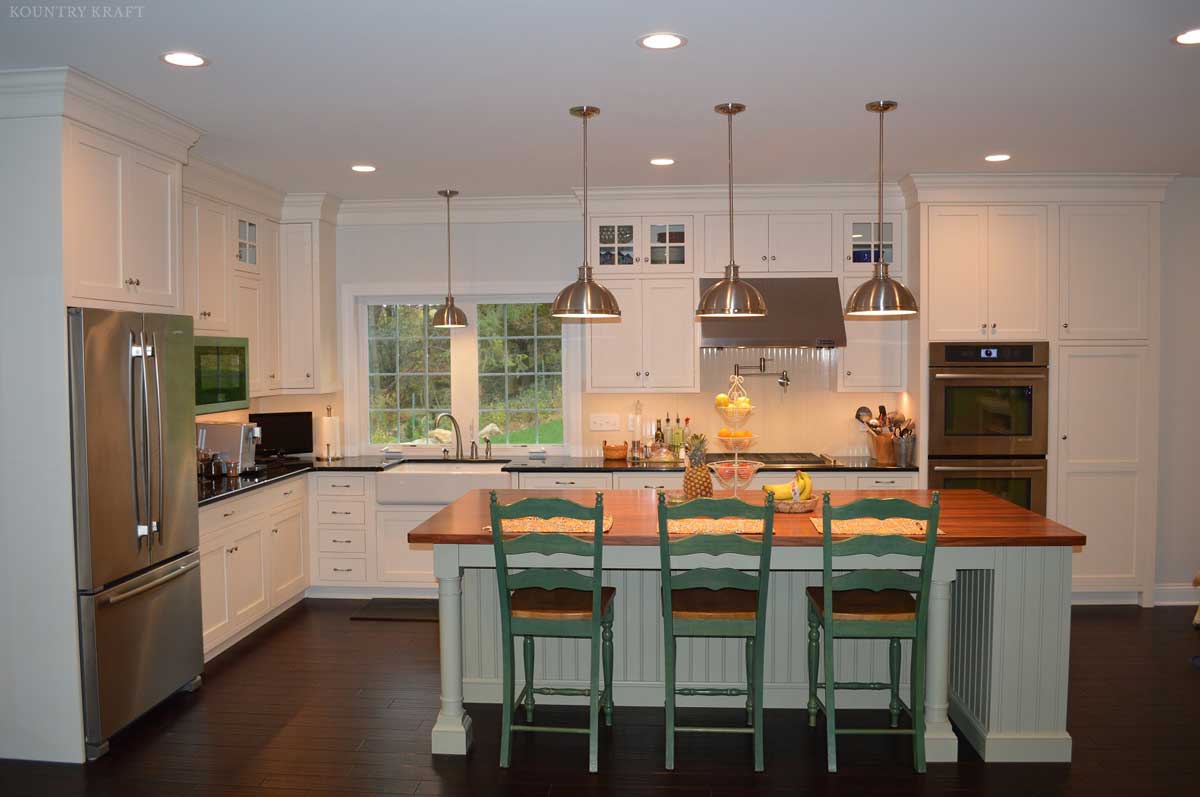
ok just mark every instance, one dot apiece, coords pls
pixel 448 316
pixel 880 295
pixel 731 297
pixel 585 298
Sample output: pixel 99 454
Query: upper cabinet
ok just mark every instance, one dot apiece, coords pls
pixel 770 242
pixel 1104 271
pixel 988 272
pixel 245 231
pixel 207 279
pixel 308 356
pixel 874 356
pixel 120 222
pixel 862 235
pixel 642 245
pixel 268 350
pixel 654 345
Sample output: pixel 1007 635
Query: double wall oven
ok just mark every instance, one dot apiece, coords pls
pixel 988 419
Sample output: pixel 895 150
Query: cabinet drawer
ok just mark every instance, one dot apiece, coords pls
pixel 351 513
pixel 565 481
pixel 826 482
pixel 340 484
pixel 292 489
pixel 222 514
pixel 887 481
pixel 648 481
pixel 343 540
pixel 334 569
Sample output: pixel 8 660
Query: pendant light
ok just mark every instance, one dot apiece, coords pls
pixel 731 297
pixel 448 316
pixel 585 298
pixel 880 295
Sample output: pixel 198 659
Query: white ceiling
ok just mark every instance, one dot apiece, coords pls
pixel 474 93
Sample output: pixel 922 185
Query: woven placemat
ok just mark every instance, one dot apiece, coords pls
pixel 868 525
pixel 562 525
pixel 704 525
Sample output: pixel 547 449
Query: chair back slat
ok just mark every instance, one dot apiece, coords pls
pixel 549 578
pixel 880 545
pixel 713 578
pixel 753 547
pixel 876 580
pixel 547 544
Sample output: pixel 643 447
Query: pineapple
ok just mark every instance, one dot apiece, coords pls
pixel 697 481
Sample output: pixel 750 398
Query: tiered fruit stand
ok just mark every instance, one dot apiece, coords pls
pixel 735 473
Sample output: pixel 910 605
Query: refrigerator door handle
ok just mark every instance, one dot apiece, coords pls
pixel 156 521
pixel 135 353
pixel 158 582
pixel 146 438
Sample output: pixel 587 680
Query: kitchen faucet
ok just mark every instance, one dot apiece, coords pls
pixel 458 454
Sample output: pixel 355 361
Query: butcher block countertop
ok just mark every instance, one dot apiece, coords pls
pixel 968 518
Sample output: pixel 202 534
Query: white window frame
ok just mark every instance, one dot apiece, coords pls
pixel 464 369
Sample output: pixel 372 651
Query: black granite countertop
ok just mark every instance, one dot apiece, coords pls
pixel 211 490
pixel 598 465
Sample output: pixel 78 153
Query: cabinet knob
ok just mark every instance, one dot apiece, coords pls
pixel 849 373
pixel 272 376
pixel 993 326
pixel 646 374
pixel 274 531
pixel 848 257
pixel 764 258
pixel 983 327
pixel 307 375
pixel 772 257
pixel 1064 437
pixel 637 373
pixel 1065 326
pixel 130 281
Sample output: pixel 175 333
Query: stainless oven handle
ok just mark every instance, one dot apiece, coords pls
pixel 987 469
pixel 124 596
pixel 993 377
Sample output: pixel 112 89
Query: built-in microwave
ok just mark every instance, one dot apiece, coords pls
pixel 222 374
pixel 988 400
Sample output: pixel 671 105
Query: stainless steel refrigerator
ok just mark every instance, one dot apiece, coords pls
pixel 136 527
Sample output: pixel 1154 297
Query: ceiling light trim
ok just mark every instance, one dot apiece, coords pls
pixel 680 40
pixel 204 60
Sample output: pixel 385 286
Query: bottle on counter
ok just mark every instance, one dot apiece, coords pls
pixel 677 438
pixel 659 439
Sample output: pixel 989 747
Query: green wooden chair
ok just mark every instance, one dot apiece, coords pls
pixel 872 604
pixel 553 602
pixel 716 602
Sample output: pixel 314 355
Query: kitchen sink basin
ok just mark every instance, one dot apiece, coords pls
pixel 437 481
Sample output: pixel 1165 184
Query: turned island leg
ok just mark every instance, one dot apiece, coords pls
pixel 940 742
pixel 452 731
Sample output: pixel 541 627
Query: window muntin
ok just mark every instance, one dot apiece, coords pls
pixel 520 374
pixel 408 373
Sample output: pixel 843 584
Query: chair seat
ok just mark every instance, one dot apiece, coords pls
pixel 864 604
pixel 714 604
pixel 535 603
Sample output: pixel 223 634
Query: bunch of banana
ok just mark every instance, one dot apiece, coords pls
pixel 798 489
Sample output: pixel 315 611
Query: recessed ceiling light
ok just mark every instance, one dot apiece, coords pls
pixel 662 161
pixel 999 157
pixel 183 58
pixel 362 167
pixel 1190 37
pixel 662 41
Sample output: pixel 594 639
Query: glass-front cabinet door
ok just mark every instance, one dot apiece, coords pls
pixel 245 255
pixel 616 245
pixel 864 237
pixel 668 245
pixel 642 245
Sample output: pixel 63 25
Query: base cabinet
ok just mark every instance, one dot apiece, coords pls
pixel 285 546
pixel 246 564
pixel 398 561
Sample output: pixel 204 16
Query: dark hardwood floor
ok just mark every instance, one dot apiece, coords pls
pixel 317 705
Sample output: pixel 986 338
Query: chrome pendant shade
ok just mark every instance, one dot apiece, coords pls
pixel 731 296
pixel 585 298
pixel 449 316
pixel 880 296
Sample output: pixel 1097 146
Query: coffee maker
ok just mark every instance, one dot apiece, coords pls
pixel 233 442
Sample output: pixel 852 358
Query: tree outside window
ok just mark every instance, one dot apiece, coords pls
pixel 408 372
pixel 520 374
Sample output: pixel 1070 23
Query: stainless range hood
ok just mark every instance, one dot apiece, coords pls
pixel 802 312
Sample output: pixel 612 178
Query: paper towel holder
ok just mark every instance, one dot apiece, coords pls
pixel 329 453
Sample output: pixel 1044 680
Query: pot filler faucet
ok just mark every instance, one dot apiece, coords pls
pixel 458 453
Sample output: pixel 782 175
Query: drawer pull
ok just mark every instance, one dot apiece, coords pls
pixel 885 481
pixel 288 492
pixel 343 569
pixel 342 486
pixel 341 542
pixel 655 486
pixel 335 512
pixel 564 483
pixel 230 513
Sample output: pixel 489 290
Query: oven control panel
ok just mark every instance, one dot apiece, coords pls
pixel 943 354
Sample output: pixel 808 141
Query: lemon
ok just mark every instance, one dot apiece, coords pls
pixel 722 399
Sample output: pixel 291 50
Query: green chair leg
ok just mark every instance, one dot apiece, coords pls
pixel 528 650
pixel 669 678
pixel 750 680
pixel 814 664
pixel 894 671
pixel 594 710
pixel 607 635
pixel 759 658
pixel 830 706
pixel 506 697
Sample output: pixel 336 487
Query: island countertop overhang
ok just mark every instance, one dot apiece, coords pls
pixel 969 518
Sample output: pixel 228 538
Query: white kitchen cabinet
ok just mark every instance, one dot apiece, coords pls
pixel 268 267
pixel 1105 260
pixel 861 235
pixel 770 242
pixel 207 279
pixel 120 222
pixel 874 358
pixel 628 245
pixel 247 566
pixel 988 272
pixel 564 481
pixel 665 480
pixel 287 562
pixel 246 226
pixel 396 559
pixel 308 308
pixel 216 618
pixel 1106 463
pixel 653 347
pixel 248 323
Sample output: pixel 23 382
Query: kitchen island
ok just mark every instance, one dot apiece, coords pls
pixel 999 623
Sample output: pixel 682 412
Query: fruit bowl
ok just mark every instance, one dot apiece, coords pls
pixel 735 416
pixel 735 474
pixel 737 442
pixel 797 507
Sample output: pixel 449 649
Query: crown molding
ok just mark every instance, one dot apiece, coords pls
pixel 468 210
pixel 65 91
pixel 795 197
pixel 222 183
pixel 1050 187
pixel 310 207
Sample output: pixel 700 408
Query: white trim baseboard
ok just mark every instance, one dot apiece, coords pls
pixel 1180 593
pixel 1010 747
